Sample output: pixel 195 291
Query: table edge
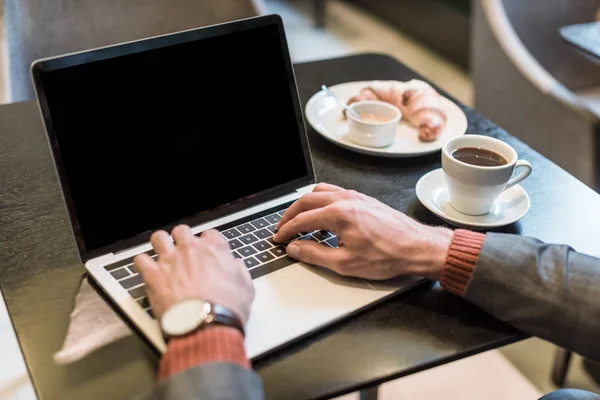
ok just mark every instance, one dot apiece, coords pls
pixel 426 366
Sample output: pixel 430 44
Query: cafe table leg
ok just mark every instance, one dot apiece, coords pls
pixel 562 358
pixel 319 9
pixel 369 394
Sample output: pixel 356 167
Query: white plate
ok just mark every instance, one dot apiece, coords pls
pixel 326 117
pixel 508 208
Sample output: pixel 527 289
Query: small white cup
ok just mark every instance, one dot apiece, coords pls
pixel 373 134
pixel 473 189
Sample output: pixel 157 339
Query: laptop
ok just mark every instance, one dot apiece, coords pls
pixel 202 127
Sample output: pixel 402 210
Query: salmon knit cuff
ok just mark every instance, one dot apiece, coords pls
pixel 215 344
pixel 460 260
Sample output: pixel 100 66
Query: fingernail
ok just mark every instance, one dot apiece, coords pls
pixel 293 250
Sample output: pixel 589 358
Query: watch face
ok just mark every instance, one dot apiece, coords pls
pixel 185 316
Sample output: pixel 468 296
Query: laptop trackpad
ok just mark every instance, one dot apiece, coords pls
pixel 298 299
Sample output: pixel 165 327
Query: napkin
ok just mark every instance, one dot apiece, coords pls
pixel 93 324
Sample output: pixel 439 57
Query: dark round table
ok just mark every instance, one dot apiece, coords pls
pixel 40 270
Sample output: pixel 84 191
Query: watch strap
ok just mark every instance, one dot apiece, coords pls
pixel 223 316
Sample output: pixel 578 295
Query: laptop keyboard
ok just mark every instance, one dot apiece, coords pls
pixel 250 241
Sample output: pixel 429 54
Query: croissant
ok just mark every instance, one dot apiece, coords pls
pixel 419 102
pixel 365 94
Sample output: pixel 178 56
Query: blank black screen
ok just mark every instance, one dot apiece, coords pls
pixel 150 138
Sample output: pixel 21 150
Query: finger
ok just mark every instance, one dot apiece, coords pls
pixel 308 221
pixel 327 187
pixel 182 234
pixel 148 269
pixel 214 237
pixel 153 277
pixel 240 265
pixel 309 201
pixel 162 243
pixel 316 254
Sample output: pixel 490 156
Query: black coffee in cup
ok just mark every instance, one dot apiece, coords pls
pixel 479 157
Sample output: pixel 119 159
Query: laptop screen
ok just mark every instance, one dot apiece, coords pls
pixel 154 137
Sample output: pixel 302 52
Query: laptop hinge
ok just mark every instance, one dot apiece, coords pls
pixel 306 189
pixel 131 249
pixel 237 215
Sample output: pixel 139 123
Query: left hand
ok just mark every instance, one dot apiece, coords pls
pixel 195 267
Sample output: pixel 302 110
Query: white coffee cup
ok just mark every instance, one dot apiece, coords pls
pixel 373 134
pixel 472 189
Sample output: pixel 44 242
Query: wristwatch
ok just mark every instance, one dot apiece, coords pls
pixel 192 314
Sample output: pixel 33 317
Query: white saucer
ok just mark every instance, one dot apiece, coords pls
pixel 326 117
pixel 510 206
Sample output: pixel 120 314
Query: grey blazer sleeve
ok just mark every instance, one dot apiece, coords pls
pixel 545 290
pixel 215 381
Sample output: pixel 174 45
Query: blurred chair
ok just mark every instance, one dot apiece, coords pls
pixel 534 85
pixel 538 88
pixel 44 28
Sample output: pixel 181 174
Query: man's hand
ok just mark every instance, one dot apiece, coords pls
pixel 195 267
pixel 375 241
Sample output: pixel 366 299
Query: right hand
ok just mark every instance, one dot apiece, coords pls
pixel 375 241
pixel 195 267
